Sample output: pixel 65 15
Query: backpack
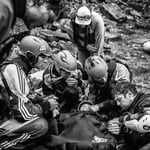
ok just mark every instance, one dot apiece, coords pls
pixel 112 66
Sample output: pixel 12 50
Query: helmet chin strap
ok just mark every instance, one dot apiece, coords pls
pixel 57 67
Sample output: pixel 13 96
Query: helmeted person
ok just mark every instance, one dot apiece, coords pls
pixel 62 79
pixel 133 124
pixel 87 32
pixel 102 77
pixel 15 79
pixel 32 12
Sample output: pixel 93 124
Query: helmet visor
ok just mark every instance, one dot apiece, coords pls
pixel 83 20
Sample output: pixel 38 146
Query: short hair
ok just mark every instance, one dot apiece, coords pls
pixel 124 88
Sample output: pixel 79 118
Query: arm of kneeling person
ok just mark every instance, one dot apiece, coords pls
pixel 141 125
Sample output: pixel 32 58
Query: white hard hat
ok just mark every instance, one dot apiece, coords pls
pixel 83 16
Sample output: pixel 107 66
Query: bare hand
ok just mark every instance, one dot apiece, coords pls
pixel 92 48
pixel 114 126
pixel 53 102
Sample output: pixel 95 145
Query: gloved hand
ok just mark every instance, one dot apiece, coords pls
pixel 91 48
pixel 55 113
pixel 94 108
pixel 114 126
pixel 53 102
pixel 71 81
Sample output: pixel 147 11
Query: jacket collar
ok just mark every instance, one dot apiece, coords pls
pixel 23 63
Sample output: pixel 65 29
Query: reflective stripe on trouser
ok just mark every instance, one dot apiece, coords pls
pixel 28 130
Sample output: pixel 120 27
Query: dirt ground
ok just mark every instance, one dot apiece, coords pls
pixel 130 49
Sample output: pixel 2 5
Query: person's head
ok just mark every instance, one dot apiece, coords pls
pixel 65 62
pixel 96 69
pixel 33 47
pixel 125 93
pixel 36 13
pixel 83 16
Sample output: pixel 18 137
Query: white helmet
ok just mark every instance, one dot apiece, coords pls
pixel 83 16
pixel 144 124
pixel 96 67
pixel 34 45
pixel 66 60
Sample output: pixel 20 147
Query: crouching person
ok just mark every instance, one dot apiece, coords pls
pixel 103 76
pixel 14 77
pixel 61 79
pixel 134 123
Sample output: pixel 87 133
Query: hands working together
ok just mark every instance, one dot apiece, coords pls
pixel 52 99
pixel 114 125
pixel 91 48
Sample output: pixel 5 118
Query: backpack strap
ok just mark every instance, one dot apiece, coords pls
pixel 5 83
pixel 111 69
pixel 112 65
pixel 126 65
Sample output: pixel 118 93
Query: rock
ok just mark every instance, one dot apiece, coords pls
pixel 143 25
pixel 135 13
pixel 114 12
pixel 146 46
pixel 55 34
pixel 140 40
pixel 113 36
pixel 109 22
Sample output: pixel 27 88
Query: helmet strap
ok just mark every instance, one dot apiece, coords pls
pixel 57 67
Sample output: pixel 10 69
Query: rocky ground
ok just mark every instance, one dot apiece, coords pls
pixel 130 49
pixel 125 34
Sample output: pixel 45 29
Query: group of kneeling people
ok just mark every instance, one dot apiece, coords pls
pixel 99 87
